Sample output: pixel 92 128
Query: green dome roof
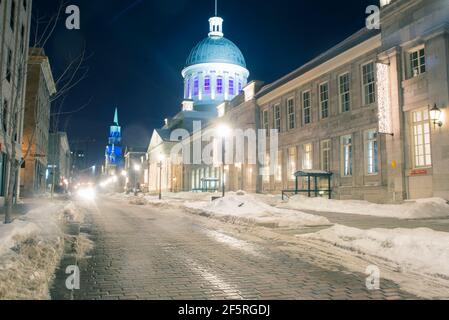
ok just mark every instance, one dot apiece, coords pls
pixel 216 50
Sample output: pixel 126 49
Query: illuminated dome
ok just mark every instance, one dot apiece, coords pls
pixel 216 49
pixel 215 70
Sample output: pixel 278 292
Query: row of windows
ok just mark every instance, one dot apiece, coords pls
pixel 344 98
pixel 371 153
pixel 219 89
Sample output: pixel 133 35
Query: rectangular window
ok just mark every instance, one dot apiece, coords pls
pixel 368 83
pixel 196 87
pixel 277 117
pixel 307 157
pixel 346 156
pixel 279 167
pixel 219 85
pixel 417 62
pixel 324 100
pixel 326 155
pixel 306 107
pixel 371 152
pixel 266 122
pixel 292 163
pixel 421 139
pixel 231 87
pixel 240 87
pixel 344 92
pixel 207 85
pixel 266 168
pixel 291 114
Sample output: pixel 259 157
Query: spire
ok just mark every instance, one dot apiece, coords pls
pixel 216 24
pixel 116 117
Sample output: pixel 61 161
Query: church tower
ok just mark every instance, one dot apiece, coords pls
pixel 114 150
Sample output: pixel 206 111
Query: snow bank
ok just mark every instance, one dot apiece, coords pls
pixel 420 250
pixel 419 209
pixel 30 250
pixel 248 209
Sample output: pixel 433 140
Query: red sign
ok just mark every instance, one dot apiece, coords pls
pixel 418 172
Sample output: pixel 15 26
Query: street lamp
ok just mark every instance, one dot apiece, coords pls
pixel 435 116
pixel 161 158
pixel 224 132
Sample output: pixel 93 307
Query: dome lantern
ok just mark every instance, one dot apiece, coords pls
pixel 216 27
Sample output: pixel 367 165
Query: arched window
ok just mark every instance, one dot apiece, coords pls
pixel 196 87
pixel 188 88
pixel 231 86
pixel 219 85
pixel 207 85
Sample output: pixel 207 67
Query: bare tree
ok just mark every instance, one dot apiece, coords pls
pixel 12 114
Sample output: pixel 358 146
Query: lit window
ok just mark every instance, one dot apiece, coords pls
pixel 368 83
pixel 196 87
pixel 306 107
pixel 291 163
pixel 266 168
pixel 371 152
pixel 207 85
pixel 279 167
pixel 346 155
pixel 417 62
pixel 277 117
pixel 344 92
pixel 231 86
pixel 307 157
pixel 291 114
pixel 324 100
pixel 326 155
pixel 220 85
pixel 421 138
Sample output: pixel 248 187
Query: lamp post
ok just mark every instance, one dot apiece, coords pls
pixel 161 159
pixel 435 116
pixel 224 131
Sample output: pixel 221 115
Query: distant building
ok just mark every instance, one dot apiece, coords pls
pixel 58 169
pixel 136 168
pixel 40 87
pixel 15 20
pixel 114 149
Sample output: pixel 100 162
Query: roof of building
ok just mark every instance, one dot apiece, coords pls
pixel 216 50
pixel 355 39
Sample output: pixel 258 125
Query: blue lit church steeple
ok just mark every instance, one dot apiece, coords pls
pixel 215 70
pixel 114 150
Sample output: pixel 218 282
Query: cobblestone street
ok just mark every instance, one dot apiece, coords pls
pixel 146 252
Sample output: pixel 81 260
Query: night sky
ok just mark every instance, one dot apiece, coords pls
pixel 138 48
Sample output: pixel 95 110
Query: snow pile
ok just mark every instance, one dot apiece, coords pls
pixel 418 209
pixel 31 248
pixel 249 210
pixel 421 250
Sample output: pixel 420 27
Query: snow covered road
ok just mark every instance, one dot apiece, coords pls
pixel 150 252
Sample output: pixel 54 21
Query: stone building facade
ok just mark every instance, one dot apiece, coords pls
pixel 59 167
pixel 15 20
pixel 40 87
pixel 363 110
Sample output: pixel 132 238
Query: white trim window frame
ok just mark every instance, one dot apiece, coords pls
pixel 371 152
pixel 421 131
pixel 306 108
pixel 344 92
pixel 277 117
pixel 324 100
pixel 266 122
pixel 292 160
pixel 307 156
pixel 417 61
pixel 291 114
pixel 368 83
pixel 325 155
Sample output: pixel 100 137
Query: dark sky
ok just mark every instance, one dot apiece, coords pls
pixel 138 49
